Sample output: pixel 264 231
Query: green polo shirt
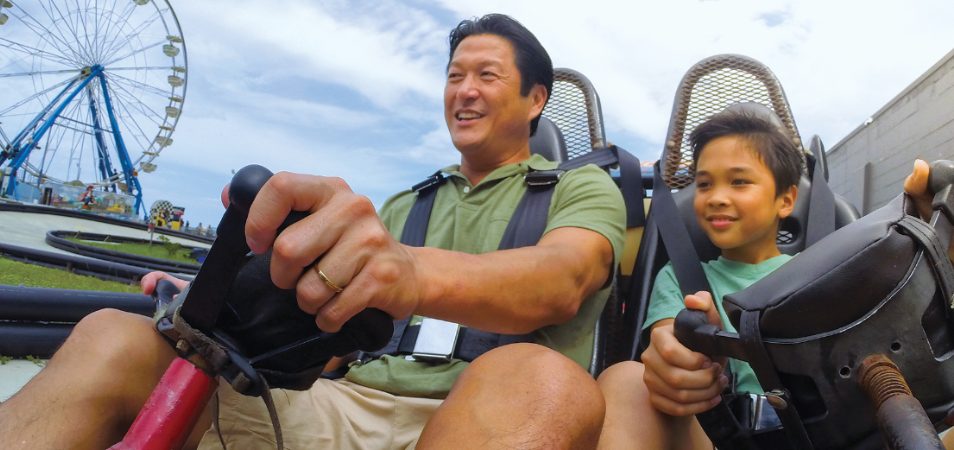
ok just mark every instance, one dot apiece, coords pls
pixel 472 219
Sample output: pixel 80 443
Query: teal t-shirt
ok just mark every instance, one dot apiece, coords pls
pixel 725 277
pixel 472 219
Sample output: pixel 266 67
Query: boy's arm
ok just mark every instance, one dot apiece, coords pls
pixel 682 382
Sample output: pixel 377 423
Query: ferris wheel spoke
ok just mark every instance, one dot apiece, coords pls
pixel 134 34
pixel 33 51
pixel 36 95
pixel 45 34
pixel 70 25
pixel 120 108
pixel 108 38
pixel 121 100
pixel 141 68
pixel 134 52
pixel 35 73
pixel 55 21
pixel 141 85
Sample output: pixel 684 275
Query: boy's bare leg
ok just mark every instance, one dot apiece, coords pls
pixel 632 422
pixel 92 388
pixel 520 396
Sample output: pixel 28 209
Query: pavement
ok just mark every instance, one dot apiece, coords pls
pixel 28 229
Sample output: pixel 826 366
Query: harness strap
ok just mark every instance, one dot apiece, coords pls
pixel 682 253
pixel 525 228
pixel 751 336
pixel 415 227
pixel 936 254
pixel 821 217
pixel 630 178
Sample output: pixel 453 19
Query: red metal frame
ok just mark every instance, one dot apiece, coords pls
pixel 172 409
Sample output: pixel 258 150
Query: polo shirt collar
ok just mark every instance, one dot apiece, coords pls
pixel 535 162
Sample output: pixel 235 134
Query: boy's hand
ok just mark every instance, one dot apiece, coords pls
pixel 916 186
pixel 682 382
pixel 149 281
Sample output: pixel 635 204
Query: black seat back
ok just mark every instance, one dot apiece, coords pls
pixel 574 108
pixel 548 141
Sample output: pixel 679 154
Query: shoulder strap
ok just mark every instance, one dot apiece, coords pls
pixel 630 178
pixel 675 236
pixel 415 226
pixel 529 220
pixel 821 207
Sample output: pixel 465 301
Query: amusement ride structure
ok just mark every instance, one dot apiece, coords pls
pixel 92 92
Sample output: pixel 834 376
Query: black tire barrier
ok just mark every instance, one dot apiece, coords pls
pixel 25 304
pixel 20 340
pixel 87 266
pixel 59 239
pixel 41 209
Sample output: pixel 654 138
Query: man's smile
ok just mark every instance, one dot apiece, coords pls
pixel 467 115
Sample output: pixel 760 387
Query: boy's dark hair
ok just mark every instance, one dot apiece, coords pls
pixel 764 131
pixel 531 59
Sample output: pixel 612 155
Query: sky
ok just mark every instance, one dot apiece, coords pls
pixel 354 88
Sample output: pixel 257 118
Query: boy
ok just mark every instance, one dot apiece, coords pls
pixel 746 175
pixel 747 172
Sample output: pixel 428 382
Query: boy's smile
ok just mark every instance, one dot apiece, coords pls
pixel 735 201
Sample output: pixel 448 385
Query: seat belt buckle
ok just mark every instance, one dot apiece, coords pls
pixel 762 415
pixel 436 341
pixel 538 178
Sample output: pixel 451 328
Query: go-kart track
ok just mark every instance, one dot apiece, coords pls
pixel 25 232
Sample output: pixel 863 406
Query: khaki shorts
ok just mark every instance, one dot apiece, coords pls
pixel 333 414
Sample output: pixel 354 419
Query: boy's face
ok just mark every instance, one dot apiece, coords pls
pixel 735 201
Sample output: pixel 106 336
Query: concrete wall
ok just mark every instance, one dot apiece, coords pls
pixel 869 165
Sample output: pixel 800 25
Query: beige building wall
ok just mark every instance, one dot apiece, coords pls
pixel 869 165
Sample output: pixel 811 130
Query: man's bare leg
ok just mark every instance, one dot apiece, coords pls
pixel 92 388
pixel 632 422
pixel 520 396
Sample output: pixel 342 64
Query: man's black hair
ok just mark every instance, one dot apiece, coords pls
pixel 532 60
pixel 764 132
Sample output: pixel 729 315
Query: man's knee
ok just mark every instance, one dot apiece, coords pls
pixel 549 398
pixel 116 338
pixel 537 371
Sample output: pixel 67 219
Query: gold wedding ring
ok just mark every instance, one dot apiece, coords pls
pixel 328 282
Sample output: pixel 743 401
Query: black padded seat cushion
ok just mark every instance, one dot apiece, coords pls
pixel 548 141
pixel 833 283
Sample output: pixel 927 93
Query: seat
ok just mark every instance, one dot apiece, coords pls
pixel 709 87
pixel 575 111
pixel 548 141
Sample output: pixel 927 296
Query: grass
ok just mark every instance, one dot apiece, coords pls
pixel 16 273
pixel 160 250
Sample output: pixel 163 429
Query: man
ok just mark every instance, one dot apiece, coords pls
pixel 515 396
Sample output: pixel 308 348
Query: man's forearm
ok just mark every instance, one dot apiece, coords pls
pixel 514 291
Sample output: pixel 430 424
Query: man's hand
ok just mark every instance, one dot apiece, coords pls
pixel 916 186
pixel 682 382
pixel 343 236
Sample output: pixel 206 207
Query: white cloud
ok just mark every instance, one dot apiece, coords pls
pixel 838 61
pixel 354 88
pixel 385 51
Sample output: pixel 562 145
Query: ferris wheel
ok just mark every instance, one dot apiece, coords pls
pixel 90 92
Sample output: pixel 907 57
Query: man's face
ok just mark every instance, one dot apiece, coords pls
pixel 735 201
pixel 484 110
